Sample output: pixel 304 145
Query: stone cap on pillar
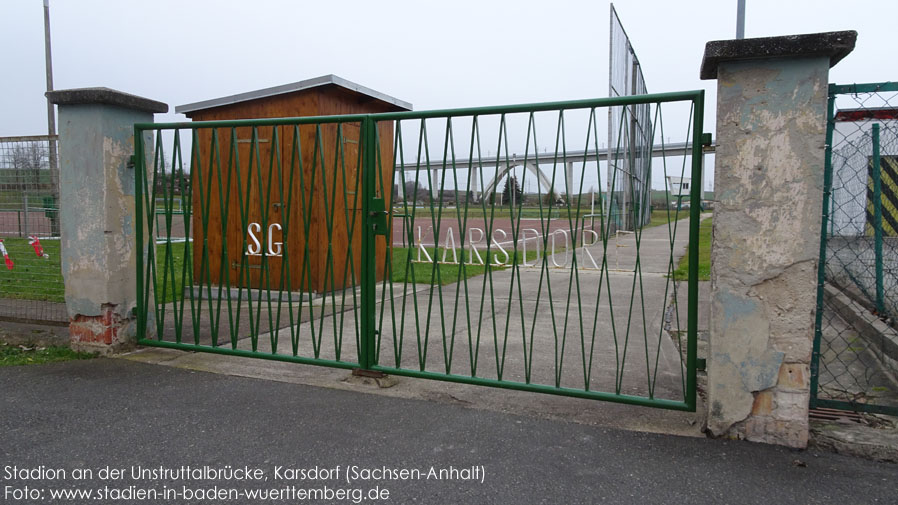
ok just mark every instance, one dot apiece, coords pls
pixel 836 45
pixel 105 96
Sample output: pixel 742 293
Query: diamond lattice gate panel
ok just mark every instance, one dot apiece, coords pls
pixel 443 244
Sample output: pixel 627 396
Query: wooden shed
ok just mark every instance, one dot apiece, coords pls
pixel 325 198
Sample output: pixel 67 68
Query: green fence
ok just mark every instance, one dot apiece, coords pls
pixel 359 242
pixel 855 358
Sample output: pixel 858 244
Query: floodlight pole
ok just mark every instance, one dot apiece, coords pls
pixel 740 19
pixel 51 115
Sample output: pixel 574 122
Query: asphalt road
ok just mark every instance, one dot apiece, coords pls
pixel 123 414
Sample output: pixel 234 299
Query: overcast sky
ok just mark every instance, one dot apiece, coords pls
pixel 432 54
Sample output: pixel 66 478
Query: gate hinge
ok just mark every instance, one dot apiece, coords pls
pixel 706 139
pixel 132 161
pixel 701 364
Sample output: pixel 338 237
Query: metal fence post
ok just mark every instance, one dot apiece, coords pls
pixel 877 219
pixel 694 222
pixel 821 262
pixel 368 274
pixel 25 209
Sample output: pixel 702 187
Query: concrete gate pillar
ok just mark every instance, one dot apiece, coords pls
pixel 96 199
pixel 768 185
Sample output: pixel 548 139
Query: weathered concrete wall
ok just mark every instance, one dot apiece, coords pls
pixel 771 121
pixel 771 129
pixel 99 259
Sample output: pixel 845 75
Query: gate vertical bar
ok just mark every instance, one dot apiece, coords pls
pixel 139 180
pixel 25 210
pixel 821 262
pixel 877 219
pixel 694 218
pixel 368 273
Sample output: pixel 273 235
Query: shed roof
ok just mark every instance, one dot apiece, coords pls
pixel 290 88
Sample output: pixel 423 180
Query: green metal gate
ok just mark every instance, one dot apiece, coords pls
pixel 389 243
pixel 855 349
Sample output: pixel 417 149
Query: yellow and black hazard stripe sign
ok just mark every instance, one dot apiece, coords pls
pixel 888 184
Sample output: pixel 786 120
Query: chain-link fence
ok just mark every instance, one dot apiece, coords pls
pixel 856 344
pixel 31 286
pixel 630 135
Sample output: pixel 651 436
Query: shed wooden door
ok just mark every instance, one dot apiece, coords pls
pixel 248 199
pixel 238 184
pixel 336 218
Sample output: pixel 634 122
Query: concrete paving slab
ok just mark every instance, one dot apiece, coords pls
pixel 541 406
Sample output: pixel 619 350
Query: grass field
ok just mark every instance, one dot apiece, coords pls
pixel 13 355
pixel 660 217
pixel 37 278
pixel 704 255
pixel 168 276
pixel 426 273
pixel 32 277
pixel 15 199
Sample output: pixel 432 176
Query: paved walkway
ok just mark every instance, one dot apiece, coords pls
pixel 118 413
pixel 651 362
pixel 576 328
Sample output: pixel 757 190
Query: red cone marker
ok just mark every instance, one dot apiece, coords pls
pixel 9 263
pixel 35 242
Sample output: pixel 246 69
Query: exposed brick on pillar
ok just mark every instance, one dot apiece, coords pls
pixel 106 329
pixel 771 126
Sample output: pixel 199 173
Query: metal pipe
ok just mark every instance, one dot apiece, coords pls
pixel 740 19
pixel 26 214
pixel 51 115
pixel 246 354
pixel 579 156
pixel 877 219
pixel 821 263
pixel 694 221
pixel 536 388
pixel 630 208
pixel 368 337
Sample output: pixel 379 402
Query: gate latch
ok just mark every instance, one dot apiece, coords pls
pixel 378 216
